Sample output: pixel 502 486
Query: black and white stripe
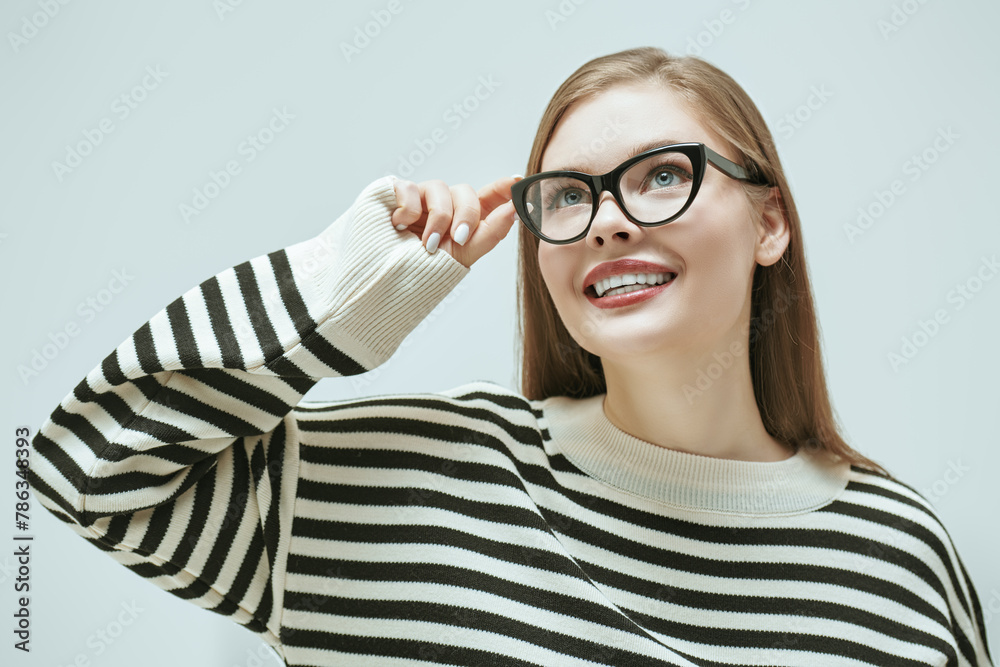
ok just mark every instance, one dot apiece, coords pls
pixel 449 528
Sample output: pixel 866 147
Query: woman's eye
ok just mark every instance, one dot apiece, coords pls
pixel 567 197
pixel 664 177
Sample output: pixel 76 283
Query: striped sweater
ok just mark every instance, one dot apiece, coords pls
pixel 471 526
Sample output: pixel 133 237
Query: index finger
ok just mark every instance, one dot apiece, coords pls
pixel 496 193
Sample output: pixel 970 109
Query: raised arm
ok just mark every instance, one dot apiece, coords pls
pixel 177 453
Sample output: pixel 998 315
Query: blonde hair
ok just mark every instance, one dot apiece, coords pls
pixel 784 352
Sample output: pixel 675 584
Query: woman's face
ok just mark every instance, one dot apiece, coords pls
pixel 711 247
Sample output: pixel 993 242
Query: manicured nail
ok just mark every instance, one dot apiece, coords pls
pixel 462 234
pixel 432 242
pixel 516 219
pixel 517 176
pixel 400 227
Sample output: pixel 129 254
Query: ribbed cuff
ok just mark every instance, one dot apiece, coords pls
pixel 368 284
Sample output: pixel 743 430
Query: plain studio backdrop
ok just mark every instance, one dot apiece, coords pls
pixel 147 147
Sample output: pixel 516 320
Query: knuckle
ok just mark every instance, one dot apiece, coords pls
pixel 437 217
pixel 406 192
pixel 466 202
pixel 408 201
pixel 467 213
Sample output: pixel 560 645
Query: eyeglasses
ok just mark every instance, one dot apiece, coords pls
pixel 652 188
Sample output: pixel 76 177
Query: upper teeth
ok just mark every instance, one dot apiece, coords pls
pixel 602 286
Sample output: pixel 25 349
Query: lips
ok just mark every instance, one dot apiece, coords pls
pixel 620 267
pixel 628 298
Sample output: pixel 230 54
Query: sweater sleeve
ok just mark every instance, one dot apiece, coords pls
pixel 178 454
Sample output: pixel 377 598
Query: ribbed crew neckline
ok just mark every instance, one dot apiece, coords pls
pixel 582 432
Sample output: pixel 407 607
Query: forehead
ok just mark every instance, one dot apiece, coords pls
pixel 597 134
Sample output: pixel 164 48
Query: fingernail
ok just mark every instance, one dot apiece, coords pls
pixel 400 227
pixel 516 219
pixel 517 176
pixel 432 242
pixel 462 234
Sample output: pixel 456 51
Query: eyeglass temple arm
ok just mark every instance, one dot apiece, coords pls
pixel 730 168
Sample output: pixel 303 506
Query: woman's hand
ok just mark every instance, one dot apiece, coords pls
pixel 456 219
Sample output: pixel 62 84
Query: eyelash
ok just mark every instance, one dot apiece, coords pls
pixel 673 168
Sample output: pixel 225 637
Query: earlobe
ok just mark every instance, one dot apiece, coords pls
pixel 775 232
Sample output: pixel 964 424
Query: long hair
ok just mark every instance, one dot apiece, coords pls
pixel 784 350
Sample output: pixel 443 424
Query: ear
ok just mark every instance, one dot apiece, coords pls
pixel 773 231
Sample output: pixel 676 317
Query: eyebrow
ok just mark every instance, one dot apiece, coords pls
pixel 634 150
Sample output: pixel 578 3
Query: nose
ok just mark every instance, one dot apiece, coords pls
pixel 610 222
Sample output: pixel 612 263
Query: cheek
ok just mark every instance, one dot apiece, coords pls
pixel 725 231
pixel 556 270
pixel 549 265
pixel 719 253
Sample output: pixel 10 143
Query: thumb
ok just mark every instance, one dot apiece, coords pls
pixel 491 231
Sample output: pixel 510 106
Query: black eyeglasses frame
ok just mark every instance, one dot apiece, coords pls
pixel 697 152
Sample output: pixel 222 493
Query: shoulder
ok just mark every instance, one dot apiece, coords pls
pixel 477 431
pixel 902 527
pixel 479 393
pixel 917 541
pixel 451 414
pixel 909 531
pixel 893 503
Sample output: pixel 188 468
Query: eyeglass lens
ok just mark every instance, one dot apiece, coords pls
pixel 652 190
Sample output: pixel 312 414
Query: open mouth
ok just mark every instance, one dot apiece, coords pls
pixel 628 283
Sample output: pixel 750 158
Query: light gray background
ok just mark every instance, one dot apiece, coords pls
pixel 933 421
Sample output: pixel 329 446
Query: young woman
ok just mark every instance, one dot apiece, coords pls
pixel 667 488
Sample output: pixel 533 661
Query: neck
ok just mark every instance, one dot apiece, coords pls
pixel 695 401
